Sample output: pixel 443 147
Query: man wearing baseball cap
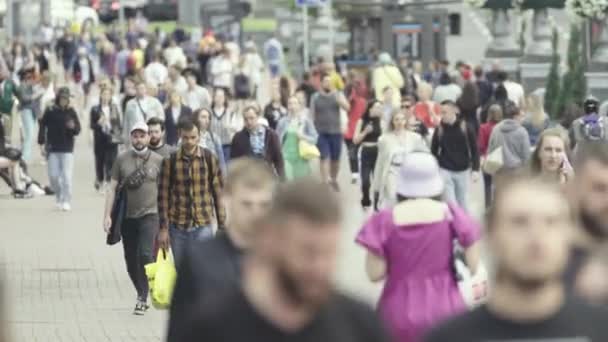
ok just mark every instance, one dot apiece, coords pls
pixel 59 127
pixel 136 171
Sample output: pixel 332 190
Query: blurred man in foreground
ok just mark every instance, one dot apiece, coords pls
pixel 531 245
pixel 287 293
pixel 211 267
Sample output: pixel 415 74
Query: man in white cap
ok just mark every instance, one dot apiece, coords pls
pixel 136 171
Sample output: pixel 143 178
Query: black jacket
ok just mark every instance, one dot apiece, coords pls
pixel 171 137
pixel 454 150
pixel 100 136
pixel 209 267
pixel 54 131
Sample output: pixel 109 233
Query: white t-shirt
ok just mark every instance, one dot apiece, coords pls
pixel 221 70
pixel 175 111
pixel 179 85
pixel 235 52
pixel 175 56
pixel 515 92
pixel 156 74
pixel 197 98
pixel 252 67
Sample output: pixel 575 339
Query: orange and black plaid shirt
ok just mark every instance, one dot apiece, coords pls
pixel 189 190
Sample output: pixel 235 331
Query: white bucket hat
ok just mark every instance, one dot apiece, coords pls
pixel 419 176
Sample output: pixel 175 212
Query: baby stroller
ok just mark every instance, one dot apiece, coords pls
pixel 13 170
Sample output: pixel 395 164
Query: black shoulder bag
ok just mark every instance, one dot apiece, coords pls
pixel 119 207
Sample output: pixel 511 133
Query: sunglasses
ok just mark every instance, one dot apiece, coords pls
pixel 407 106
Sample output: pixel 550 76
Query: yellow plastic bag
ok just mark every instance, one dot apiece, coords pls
pixel 161 278
pixel 307 150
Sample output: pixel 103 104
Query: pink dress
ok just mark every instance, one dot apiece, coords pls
pixel 420 288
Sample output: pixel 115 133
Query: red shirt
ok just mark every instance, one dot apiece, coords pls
pixel 421 111
pixel 483 139
pixel 357 108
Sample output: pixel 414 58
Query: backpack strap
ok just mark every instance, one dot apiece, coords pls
pixel 172 166
pixel 465 131
pixel 207 156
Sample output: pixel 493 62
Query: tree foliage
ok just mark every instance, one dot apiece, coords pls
pixel 553 86
pixel 574 83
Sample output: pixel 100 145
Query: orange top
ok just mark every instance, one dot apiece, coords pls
pixel 422 112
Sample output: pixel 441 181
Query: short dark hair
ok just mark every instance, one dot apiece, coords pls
pixel 445 79
pixel 307 198
pixel 478 71
pixel 189 72
pixel 511 111
pixel 186 125
pixel 449 103
pixel 156 121
pixel 590 151
pixel 255 109
pixel 502 76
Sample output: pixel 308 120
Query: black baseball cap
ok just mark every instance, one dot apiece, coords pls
pixel 591 105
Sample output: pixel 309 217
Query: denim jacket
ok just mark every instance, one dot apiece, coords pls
pixel 309 130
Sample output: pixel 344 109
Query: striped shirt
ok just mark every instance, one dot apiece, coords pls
pixel 189 190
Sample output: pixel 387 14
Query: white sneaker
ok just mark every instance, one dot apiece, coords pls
pixel 66 207
pixel 58 206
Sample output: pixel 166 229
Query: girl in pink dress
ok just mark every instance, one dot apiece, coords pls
pixel 410 246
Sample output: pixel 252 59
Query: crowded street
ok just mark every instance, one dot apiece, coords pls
pixel 315 171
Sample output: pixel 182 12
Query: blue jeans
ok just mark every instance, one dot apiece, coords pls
pixel 60 169
pixel 457 187
pixel 180 238
pixel 226 150
pixel 28 122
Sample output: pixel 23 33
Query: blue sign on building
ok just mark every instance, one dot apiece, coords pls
pixel 311 3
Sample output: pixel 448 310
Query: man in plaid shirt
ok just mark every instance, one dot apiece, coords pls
pixel 189 190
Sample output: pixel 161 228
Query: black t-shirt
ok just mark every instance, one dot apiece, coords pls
pixel 233 319
pixel 575 322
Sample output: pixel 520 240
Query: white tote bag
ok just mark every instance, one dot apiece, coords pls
pixel 473 288
pixel 494 162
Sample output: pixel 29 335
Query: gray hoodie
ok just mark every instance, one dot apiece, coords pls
pixel 515 143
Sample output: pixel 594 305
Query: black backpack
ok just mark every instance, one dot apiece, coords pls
pixel 241 86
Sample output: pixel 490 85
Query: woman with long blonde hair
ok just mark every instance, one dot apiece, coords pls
pixel 537 119
pixel 393 145
pixel 550 158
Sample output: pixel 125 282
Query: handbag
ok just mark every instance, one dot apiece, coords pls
pixel 307 150
pixel 494 162
pixel 119 210
pixel 161 279
pixel 137 178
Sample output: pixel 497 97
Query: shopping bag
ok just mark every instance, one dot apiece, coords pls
pixel 161 279
pixel 474 288
pixel 307 150
pixel 494 162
